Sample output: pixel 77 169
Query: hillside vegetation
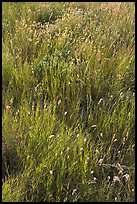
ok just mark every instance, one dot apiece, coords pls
pixel 68 101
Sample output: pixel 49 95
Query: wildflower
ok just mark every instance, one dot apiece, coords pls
pixel 116 179
pixel 78 135
pixel 51 172
pixel 108 178
pixel 85 139
pixel 127 177
pixel 100 162
pixel 115 198
pixel 92 172
pixel 111 97
pixel 129 114
pixel 124 139
pixel 120 172
pixel 65 113
pixel 8 107
pixel 59 102
pixel 95 179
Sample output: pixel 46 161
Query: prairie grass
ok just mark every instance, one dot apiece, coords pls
pixel 68 102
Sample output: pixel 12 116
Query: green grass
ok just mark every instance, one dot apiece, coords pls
pixel 68 102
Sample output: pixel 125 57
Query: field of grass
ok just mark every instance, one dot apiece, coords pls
pixel 68 102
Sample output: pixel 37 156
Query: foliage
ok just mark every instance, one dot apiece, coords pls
pixel 68 89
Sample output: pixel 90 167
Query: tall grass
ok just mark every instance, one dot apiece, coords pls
pixel 68 89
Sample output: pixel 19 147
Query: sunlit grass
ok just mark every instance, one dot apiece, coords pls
pixel 68 89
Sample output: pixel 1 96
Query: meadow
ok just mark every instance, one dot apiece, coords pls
pixel 68 102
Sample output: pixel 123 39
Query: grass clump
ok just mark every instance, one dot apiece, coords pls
pixel 68 89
